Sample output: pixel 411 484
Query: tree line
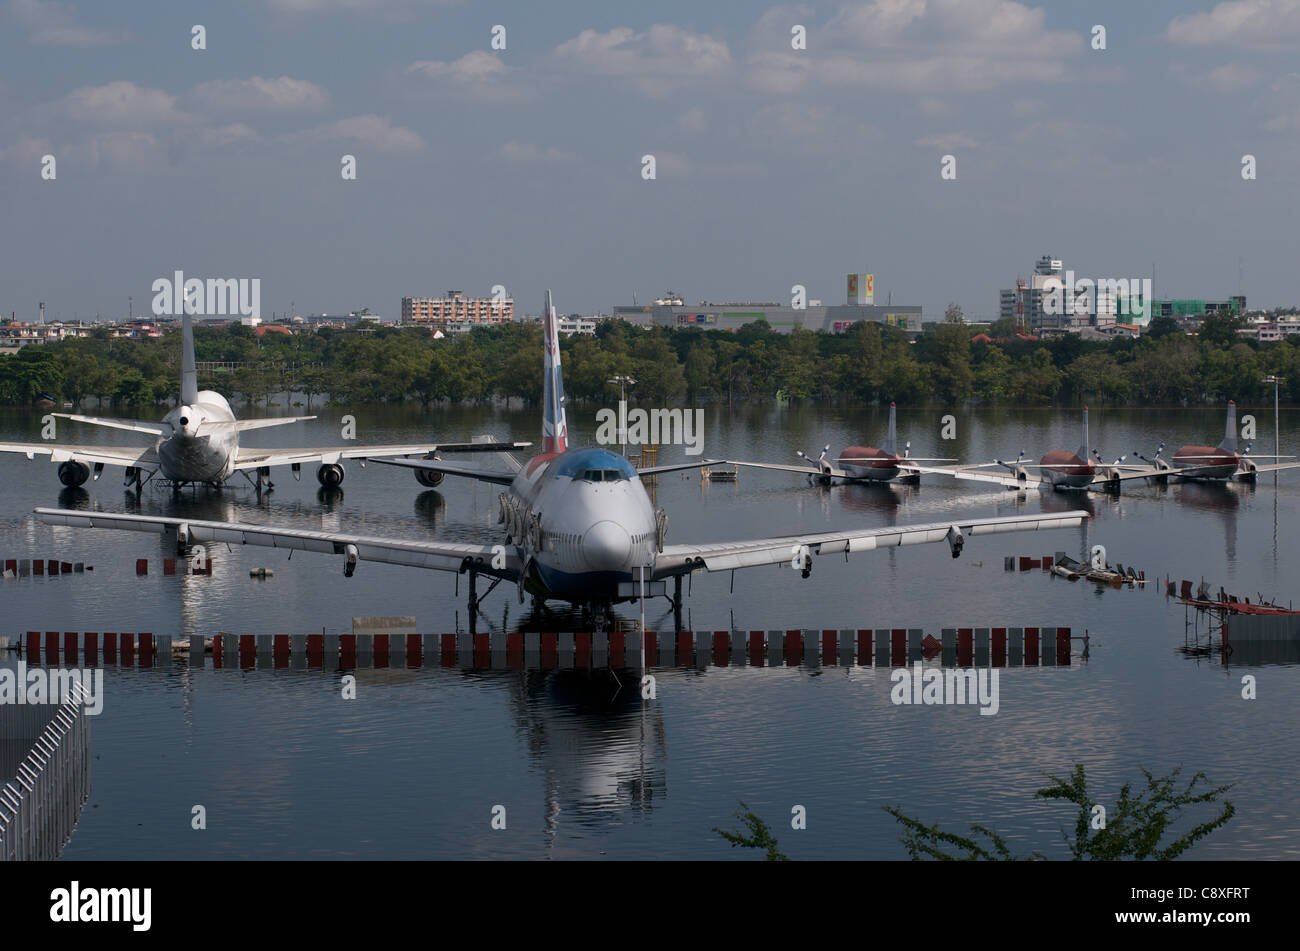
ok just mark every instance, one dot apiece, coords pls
pixel 868 363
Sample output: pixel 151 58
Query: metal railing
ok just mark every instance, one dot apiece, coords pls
pixel 40 805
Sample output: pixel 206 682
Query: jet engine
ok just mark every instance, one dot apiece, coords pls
pixel 73 473
pixel 429 479
pixel 330 475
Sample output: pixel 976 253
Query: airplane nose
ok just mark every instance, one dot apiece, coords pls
pixel 606 545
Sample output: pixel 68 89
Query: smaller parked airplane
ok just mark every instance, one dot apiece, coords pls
pixel 1214 463
pixel 859 463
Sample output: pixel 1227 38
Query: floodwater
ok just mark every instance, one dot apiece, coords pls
pixel 584 768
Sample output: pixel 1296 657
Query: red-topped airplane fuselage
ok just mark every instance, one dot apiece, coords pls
pixel 869 463
pixel 1206 459
pixel 1066 469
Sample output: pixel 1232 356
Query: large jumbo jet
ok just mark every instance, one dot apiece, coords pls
pixel 579 525
pixel 198 443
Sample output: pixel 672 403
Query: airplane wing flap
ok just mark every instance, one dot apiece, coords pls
pixel 441 556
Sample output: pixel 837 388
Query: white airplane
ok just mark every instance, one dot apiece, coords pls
pixel 579 526
pixel 198 442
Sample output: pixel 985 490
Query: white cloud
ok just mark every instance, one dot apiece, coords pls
pixel 57 24
pixel 655 61
pixel 1240 24
pixel 377 132
pixel 1284 99
pixel 355 6
pixel 924 46
pixel 121 102
pixel 947 141
pixel 232 134
pixel 693 120
pixel 1230 78
pixel 671 163
pixel 479 75
pixel 258 93
pixel 124 149
pixel 28 151
pixel 528 152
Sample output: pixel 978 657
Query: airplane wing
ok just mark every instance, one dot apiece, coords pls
pixel 131 424
pixel 252 458
pixel 1277 467
pixel 723 556
pixel 783 467
pixel 144 458
pixel 495 560
pixel 673 467
pixel 498 477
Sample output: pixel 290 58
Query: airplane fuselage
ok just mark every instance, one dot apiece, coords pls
pixel 197 447
pixel 583 522
pixel 869 464
pixel 1065 470
pixel 1210 461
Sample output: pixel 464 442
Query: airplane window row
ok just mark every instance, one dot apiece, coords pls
pixel 603 475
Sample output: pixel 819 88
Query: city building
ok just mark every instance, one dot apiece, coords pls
pixel 1054 300
pixel 456 308
pixel 672 311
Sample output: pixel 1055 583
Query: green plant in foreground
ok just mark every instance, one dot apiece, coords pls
pixel 760 836
pixel 1131 829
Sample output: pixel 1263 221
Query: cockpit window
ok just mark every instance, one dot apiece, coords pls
pixel 602 475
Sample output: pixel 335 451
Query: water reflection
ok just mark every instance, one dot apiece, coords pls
pixel 600 747
pixel 430 506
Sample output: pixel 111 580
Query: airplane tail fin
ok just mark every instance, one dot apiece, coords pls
pixel 555 433
pixel 189 372
pixel 891 438
pixel 1084 449
pixel 1229 443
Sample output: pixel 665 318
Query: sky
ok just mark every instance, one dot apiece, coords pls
pixel 523 166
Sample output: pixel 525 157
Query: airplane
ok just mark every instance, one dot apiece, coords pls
pixel 579 525
pixel 1061 469
pixel 858 464
pixel 198 442
pixel 1219 463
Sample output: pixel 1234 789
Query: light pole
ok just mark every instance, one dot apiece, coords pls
pixel 623 381
pixel 1276 381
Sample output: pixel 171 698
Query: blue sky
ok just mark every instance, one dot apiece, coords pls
pixel 522 167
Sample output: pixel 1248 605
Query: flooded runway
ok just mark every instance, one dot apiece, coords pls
pixel 583 765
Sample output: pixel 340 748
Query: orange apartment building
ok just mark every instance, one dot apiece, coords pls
pixel 456 308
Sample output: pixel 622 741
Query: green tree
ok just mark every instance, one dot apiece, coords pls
pixel 1135 826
